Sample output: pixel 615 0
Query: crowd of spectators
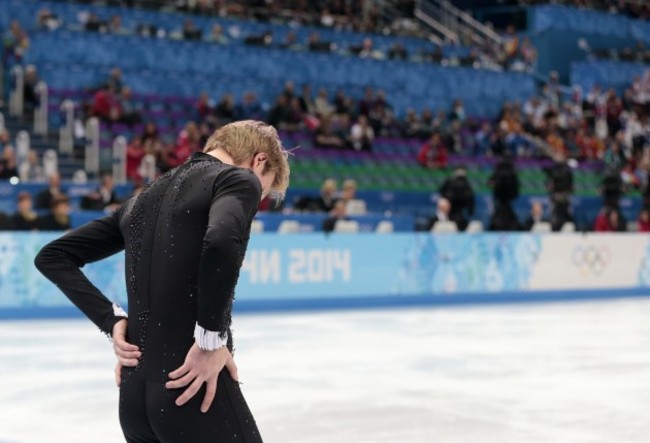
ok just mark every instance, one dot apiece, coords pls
pixel 633 8
pixel 515 53
pixel 50 208
pixel 358 15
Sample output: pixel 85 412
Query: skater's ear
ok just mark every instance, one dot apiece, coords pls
pixel 259 161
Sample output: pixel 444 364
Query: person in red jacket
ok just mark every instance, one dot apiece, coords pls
pixel 433 153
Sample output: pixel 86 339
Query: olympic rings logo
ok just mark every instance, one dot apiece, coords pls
pixel 591 259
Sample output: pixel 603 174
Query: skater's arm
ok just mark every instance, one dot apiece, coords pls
pixel 60 261
pixel 235 201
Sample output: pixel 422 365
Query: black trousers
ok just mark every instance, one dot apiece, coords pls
pixel 148 413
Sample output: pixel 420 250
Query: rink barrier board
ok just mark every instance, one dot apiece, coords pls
pixel 315 271
pixel 371 302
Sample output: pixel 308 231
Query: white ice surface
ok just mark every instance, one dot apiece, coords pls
pixel 530 373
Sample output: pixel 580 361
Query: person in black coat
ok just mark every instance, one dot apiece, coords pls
pixel 505 189
pixel 460 194
pixel 185 237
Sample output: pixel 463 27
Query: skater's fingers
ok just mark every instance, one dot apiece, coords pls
pixel 179 383
pixel 121 343
pixel 232 369
pixel 180 371
pixel 189 392
pixel 118 374
pixel 210 393
pixel 126 354
pixel 129 362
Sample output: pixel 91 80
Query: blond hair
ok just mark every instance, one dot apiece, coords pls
pixel 247 138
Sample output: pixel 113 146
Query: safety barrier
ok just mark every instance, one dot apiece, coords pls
pixel 314 271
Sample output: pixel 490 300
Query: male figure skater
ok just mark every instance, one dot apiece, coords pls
pixel 185 237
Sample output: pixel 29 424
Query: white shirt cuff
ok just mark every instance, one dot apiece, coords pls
pixel 209 340
pixel 118 311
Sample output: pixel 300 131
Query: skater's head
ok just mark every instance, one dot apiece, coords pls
pixel 254 145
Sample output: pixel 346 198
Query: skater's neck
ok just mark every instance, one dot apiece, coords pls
pixel 223 156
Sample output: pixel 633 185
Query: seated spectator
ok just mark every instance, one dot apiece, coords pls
pixel 8 167
pixel 443 209
pixel 104 198
pixel 190 31
pixel 327 198
pixel 47 20
pixel 279 112
pixel 31 96
pixel 46 196
pixel 323 203
pixel 264 39
pixel 217 35
pixel 614 157
pixel 250 108
pixel 5 222
pixel 362 135
pixel 433 154
pixel 128 112
pixel 105 105
pixel 115 80
pixel 397 52
pixel 59 217
pixel 151 137
pixel 291 43
pixel 225 110
pixel 457 111
pixel 326 137
pixel 367 50
pixel 322 105
pixel 482 142
pixel 294 118
pixel 203 107
pixel 115 26
pixel 536 216
pixel 315 44
pixel 94 23
pixel 307 104
pixel 610 220
pixel 134 154
pixel 25 219
pixel 337 213
pixel 644 220
pixel 188 141
pixel 31 170
pixel 349 191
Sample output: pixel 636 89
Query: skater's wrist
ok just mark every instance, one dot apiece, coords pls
pixel 208 340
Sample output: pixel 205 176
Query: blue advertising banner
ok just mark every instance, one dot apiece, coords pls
pixel 314 270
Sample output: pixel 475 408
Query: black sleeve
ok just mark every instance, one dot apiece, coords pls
pixel 236 197
pixel 60 261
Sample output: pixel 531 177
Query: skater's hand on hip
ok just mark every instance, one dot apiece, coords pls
pixel 201 367
pixel 126 353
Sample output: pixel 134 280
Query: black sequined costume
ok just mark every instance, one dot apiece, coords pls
pixel 185 237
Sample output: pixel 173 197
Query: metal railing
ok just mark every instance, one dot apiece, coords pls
pixel 442 15
pixel 16 96
pixel 66 132
pixel 50 162
pixel 91 161
pixel 41 111
pixel 119 160
pixel 427 13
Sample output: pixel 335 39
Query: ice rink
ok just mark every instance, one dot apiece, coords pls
pixel 566 372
